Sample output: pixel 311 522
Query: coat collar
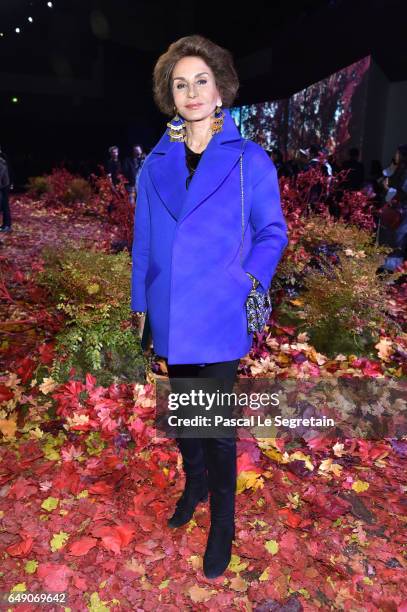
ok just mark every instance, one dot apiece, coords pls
pixel 168 170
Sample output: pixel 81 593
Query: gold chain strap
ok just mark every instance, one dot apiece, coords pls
pixel 255 282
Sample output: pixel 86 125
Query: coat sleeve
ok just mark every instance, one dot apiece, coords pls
pixel 141 246
pixel 268 225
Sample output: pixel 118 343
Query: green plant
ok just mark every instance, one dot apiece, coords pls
pixel 78 190
pixel 37 186
pixel 346 306
pixel 92 290
pixel 340 300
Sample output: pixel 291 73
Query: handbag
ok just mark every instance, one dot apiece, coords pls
pixel 258 305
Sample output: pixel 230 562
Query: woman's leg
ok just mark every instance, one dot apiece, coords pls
pixel 192 452
pixel 220 457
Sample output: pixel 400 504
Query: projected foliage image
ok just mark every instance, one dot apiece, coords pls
pixel 327 113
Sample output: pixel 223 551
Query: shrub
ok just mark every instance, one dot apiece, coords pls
pixel 60 188
pixel 78 190
pixel 332 289
pixel 92 290
pixel 38 186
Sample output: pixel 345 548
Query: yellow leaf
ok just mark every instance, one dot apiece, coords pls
pixel 304 592
pixel 265 575
pixel 328 466
pixel 50 503
pixel 36 433
pixel 93 288
pixel 235 565
pixel 298 455
pixel 96 604
pixel 58 540
pixel 249 480
pixel 360 485
pixel 164 583
pixel 192 523
pixel 271 546
pixel 258 522
pixel 31 567
pixel 19 588
pixel 273 454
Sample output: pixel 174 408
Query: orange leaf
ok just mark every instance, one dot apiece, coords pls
pixel 22 548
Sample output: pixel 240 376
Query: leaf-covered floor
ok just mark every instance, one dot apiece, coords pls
pixel 84 506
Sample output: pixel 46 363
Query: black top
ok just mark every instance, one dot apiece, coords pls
pixel 192 161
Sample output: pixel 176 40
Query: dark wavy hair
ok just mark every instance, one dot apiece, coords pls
pixel 219 60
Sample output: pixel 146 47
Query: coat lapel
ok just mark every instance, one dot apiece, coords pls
pixel 168 170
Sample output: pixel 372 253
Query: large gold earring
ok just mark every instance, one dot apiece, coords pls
pixel 176 132
pixel 217 123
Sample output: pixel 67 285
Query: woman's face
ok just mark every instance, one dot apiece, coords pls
pixel 193 82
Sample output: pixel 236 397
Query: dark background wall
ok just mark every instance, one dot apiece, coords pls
pixel 82 71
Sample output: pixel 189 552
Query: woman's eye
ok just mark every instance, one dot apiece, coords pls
pixel 181 85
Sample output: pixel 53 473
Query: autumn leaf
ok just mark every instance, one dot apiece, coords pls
pixel 47 385
pixel 271 546
pixel 249 480
pixel 236 565
pixel 238 584
pixel 50 503
pixel 384 348
pixel 199 594
pixel 93 288
pixel 53 576
pixel 299 456
pixel 8 428
pixel 360 486
pixel 329 466
pixel 22 548
pixel 58 540
pixel 96 604
pixel 82 546
pixel 19 588
pixel 31 566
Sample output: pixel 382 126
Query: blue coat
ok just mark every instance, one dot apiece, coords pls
pixel 186 270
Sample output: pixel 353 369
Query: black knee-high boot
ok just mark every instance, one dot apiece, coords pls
pixel 196 484
pixel 222 473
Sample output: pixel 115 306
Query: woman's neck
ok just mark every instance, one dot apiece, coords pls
pixel 198 135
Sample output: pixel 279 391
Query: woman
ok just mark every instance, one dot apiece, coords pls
pixel 186 270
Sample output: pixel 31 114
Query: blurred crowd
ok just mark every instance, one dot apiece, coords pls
pixel 386 188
